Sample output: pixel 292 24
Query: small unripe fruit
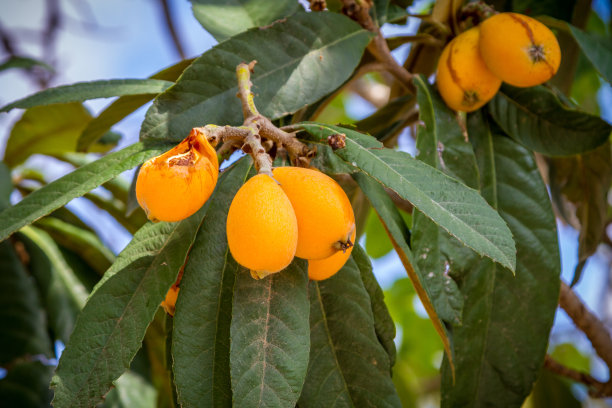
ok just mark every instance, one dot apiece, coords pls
pixel 320 269
pixel 324 214
pixel 174 185
pixel 262 231
pixel 169 302
pixel 464 81
pixel 518 49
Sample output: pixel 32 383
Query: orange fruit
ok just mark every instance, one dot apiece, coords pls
pixel 174 185
pixel 324 214
pixel 170 301
pixel 262 231
pixel 319 269
pixel 518 49
pixel 464 81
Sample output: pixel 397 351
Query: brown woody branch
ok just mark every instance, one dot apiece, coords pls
pixel 598 335
pixel 359 10
pixel 587 322
pixel 256 127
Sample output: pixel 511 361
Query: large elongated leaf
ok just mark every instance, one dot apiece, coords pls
pixel 299 60
pixel 124 106
pixel 83 91
pixel 458 209
pixel 21 318
pixel 441 144
pixel 597 49
pixel 201 333
pixel 400 238
pixel 50 130
pixel 54 195
pixel 224 19
pixel 383 324
pixel 501 345
pixel 109 330
pixel 270 343
pixel 536 118
pixel 348 366
pixel 61 292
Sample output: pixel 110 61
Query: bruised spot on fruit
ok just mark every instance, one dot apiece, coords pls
pixel 174 185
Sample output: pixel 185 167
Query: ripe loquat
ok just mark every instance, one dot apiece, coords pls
pixel 324 214
pixel 518 49
pixel 262 230
pixel 174 185
pixel 464 81
pixel 319 269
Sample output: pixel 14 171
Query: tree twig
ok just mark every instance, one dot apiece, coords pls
pixel 172 29
pixel 597 388
pixel 587 322
pixel 358 10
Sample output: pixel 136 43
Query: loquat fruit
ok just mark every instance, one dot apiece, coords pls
pixel 262 230
pixel 519 49
pixel 464 81
pixel 324 214
pixel 319 269
pixel 174 185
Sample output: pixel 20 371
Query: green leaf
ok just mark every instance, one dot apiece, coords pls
pixel 24 63
pixel 458 209
pixel 110 329
pixel 441 144
pixel 299 60
pixel 224 19
pixel 383 324
pixel 26 385
pixel 269 331
pixel 536 118
pixel 61 292
pixel 21 318
pixel 6 186
pixel 57 194
pixel 597 49
pixel 48 130
pixel 400 238
pixel 501 345
pixel 552 391
pixel 124 106
pixel 379 11
pixel 201 333
pixel 348 366
pixel 131 391
pixel 580 185
pixel 83 91
pixel 83 242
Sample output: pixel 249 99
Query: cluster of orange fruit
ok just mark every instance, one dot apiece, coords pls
pixel 507 47
pixel 296 212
